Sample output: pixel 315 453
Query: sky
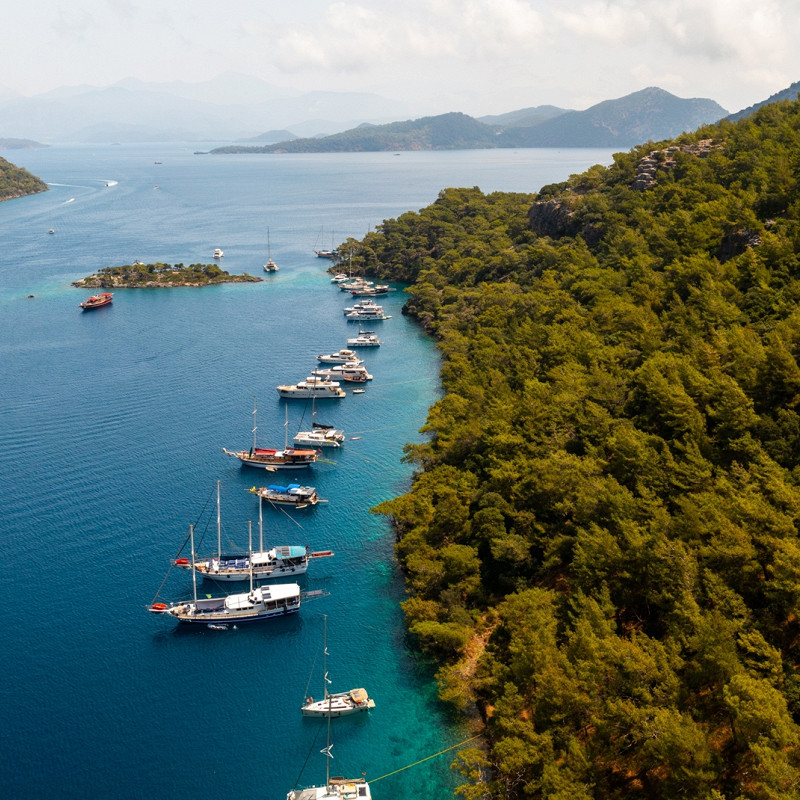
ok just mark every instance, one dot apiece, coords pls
pixel 434 56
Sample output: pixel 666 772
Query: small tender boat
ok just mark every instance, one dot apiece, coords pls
pixel 218 253
pixel 342 356
pixel 292 495
pixel 364 339
pixel 97 301
pixel 51 230
pixel 318 388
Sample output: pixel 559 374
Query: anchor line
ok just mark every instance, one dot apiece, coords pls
pixel 427 758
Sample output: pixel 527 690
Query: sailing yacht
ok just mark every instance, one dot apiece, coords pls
pixel 276 562
pixel 270 458
pixel 337 704
pixel 270 266
pixel 320 435
pixel 259 603
pixel 334 788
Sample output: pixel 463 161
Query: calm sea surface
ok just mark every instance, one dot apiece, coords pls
pixel 112 425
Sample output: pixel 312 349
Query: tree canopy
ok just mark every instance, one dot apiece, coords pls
pixel 601 540
pixel 16 181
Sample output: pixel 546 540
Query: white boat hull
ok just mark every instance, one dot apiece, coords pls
pixel 293 393
pixel 264 602
pixel 341 705
pixel 337 789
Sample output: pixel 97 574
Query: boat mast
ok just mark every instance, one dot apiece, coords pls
pixel 194 571
pixel 325 680
pixel 260 527
pixel 286 430
pixel 328 744
pixel 255 427
pixel 250 559
pixel 219 528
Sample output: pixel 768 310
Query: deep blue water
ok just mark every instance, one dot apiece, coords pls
pixel 112 424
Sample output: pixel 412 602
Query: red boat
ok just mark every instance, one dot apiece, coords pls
pixel 97 300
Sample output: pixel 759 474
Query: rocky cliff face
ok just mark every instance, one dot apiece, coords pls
pixel 665 159
pixel 552 218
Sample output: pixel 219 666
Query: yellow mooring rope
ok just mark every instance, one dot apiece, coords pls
pixel 427 758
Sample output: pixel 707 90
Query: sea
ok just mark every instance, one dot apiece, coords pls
pixel 112 429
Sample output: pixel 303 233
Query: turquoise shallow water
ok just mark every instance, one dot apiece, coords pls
pixel 111 433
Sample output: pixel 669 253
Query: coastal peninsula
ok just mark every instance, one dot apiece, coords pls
pixel 160 276
pixel 18 182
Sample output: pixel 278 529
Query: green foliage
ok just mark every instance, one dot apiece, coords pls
pixel 140 275
pixel 16 181
pixel 610 482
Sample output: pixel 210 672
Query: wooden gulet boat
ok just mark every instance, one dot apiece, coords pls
pixel 259 603
pixel 97 301
pixel 272 459
pixel 275 562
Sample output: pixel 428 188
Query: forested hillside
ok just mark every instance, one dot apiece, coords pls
pixel 16 182
pixel 601 543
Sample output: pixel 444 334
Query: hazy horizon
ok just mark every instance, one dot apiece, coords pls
pixel 477 56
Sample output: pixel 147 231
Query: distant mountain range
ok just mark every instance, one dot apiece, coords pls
pixel 244 110
pixel 650 114
pixel 229 108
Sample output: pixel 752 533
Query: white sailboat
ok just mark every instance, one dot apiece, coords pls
pixel 337 787
pixel 336 704
pixel 320 435
pixel 270 266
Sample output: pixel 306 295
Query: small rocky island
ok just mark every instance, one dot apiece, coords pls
pixel 160 276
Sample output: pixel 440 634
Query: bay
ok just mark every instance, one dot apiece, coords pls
pixel 111 433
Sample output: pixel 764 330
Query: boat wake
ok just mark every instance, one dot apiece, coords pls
pixel 71 200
